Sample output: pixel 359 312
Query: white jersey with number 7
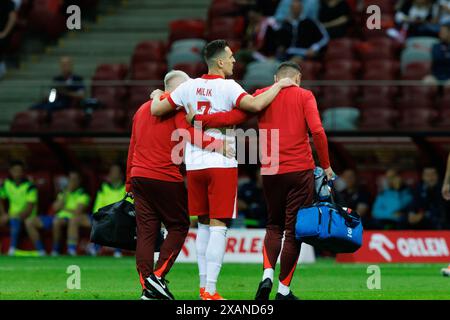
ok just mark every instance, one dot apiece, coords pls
pixel 208 94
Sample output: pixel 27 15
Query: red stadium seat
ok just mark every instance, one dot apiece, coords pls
pixel 344 66
pixel 107 121
pixel 443 120
pixel 139 95
pixel 106 72
pixel 194 70
pixel 110 97
pixel 70 120
pixel 380 91
pixel 28 121
pixel 148 71
pixel 416 71
pixel 376 52
pixel 381 70
pixel 187 29
pixel 149 51
pixel 339 53
pixel 374 102
pixel 444 102
pixel 221 8
pixel 46 16
pixel 420 92
pixel 310 70
pixel 380 118
pixel 338 96
pixel 411 102
pixel 417 119
pixel 226 28
pixel 333 74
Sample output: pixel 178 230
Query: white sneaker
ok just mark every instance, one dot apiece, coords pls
pixel 11 251
pixel 117 254
pixel 446 271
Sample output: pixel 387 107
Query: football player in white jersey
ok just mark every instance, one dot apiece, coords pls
pixel 211 177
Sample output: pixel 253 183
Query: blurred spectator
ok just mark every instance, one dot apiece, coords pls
pixel 68 88
pixel 440 56
pixel 353 195
pixel 389 208
pixel 112 190
pixel 251 203
pixel 8 18
pixel 300 38
pixel 335 16
pixel 418 18
pixel 310 10
pixel 428 209
pixel 444 11
pixel 70 209
pixel 22 197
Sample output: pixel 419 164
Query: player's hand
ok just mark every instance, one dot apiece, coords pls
pixel 156 92
pixel 228 150
pixel 330 174
pixel 286 82
pixel 446 191
pixel 191 114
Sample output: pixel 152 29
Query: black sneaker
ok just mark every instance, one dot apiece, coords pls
pixel 264 289
pixel 290 296
pixel 158 287
pixel 148 295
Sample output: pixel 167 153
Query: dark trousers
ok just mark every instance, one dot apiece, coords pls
pixel 159 202
pixel 285 194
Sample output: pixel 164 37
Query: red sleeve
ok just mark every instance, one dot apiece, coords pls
pixel 223 119
pixel 130 158
pixel 207 142
pixel 315 126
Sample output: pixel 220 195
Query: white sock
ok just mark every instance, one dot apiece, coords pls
pixel 214 256
pixel 268 273
pixel 284 290
pixel 201 244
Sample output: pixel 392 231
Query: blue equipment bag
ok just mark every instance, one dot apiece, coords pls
pixel 328 226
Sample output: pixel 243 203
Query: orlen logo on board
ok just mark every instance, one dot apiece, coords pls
pixel 409 247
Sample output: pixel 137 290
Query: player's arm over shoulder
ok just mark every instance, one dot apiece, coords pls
pixel 164 103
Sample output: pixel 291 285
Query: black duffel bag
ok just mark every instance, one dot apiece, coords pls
pixel 115 226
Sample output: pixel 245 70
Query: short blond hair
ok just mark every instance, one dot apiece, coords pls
pixel 172 75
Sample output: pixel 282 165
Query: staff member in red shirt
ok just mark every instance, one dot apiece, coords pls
pixel 288 179
pixel 158 189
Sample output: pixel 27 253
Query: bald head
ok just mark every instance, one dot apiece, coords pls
pixel 173 79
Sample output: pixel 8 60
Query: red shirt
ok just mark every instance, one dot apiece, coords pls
pixel 292 112
pixel 150 150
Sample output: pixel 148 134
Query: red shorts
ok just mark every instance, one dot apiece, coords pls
pixel 213 191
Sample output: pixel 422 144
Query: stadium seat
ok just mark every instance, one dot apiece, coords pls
pixel 194 70
pixel 344 66
pixel 417 118
pixel 339 52
pixel 226 28
pixel 222 8
pixel 107 72
pixel 381 70
pixel 411 55
pixel 148 71
pixel 374 102
pixel 380 118
pixel 443 121
pixel 194 45
pixel 379 91
pixel 414 102
pixel 28 121
pixel 149 51
pixel 139 95
pixel 71 120
pixel 340 118
pixel 46 16
pixel 421 43
pixel 263 66
pixel 338 96
pixel 107 121
pixel 417 92
pixel 109 96
pixel 416 70
pixel 375 51
pixel 310 70
pixel 177 57
pixel 333 74
pixel 444 102
pixel 186 29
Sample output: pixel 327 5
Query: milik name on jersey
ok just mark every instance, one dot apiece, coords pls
pixel 204 92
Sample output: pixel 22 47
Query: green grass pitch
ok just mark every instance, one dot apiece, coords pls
pixel 109 278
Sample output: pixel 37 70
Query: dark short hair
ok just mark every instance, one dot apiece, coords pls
pixel 213 48
pixel 288 64
pixel 14 163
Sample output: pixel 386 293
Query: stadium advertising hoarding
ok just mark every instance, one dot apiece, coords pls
pixel 401 246
pixel 243 246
